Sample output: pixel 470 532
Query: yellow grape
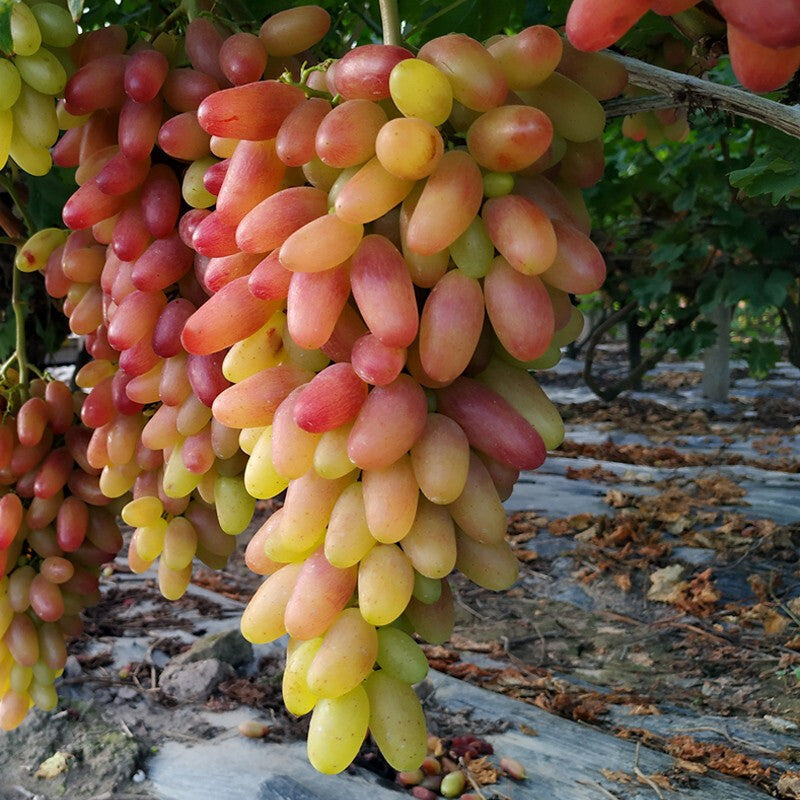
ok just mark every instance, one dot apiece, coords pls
pixel 348 539
pixel 337 729
pixel 10 84
pixel 369 194
pixel 396 721
pixel 34 253
pixel 14 706
pixel 261 479
pixel 42 71
pixel 409 147
pixel 178 481
pixel 346 657
pixel 280 548
pixel 309 502
pixel 262 620
pixel 150 539
pixel 390 500
pixel 400 656
pixel 26 37
pixel 478 510
pixel 115 480
pixel 440 458
pixel 44 697
pixel 223 148
pixel 235 506
pixel 431 543
pixel 180 544
pixel 330 458
pixel 260 350
pixel 248 438
pixel 55 24
pixel 173 583
pixel 297 697
pixel 385 583
pixel 421 90
pixel 492 566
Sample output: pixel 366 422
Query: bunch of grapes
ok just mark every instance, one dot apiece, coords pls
pixel 763 38
pixel 56 529
pixel 384 270
pixel 334 284
pixel 32 74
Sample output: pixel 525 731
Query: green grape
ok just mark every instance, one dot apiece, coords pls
pixel 497 184
pixel 473 251
pixel 42 71
pixel 26 37
pixel 55 24
pixel 400 656
pixel 337 729
pixel 235 506
pixel 193 190
pixel 32 158
pixel 426 590
pixel 10 84
pixel 35 117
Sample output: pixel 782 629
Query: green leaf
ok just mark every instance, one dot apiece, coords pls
pixel 6 45
pixel 775 172
pixel 75 8
pixel 761 357
pixel 47 196
pixel 649 289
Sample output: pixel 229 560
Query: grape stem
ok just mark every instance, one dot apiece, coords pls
pixel 390 20
pixel 678 90
pixel 177 12
pixel 7 184
pixel 20 354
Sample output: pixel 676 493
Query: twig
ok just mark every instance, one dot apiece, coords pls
pixel 645 778
pixel 734 740
pixel 686 90
pixel 599 788
pixel 472 780
pixel 8 186
pixel 440 13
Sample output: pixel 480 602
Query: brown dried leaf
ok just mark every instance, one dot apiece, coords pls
pixel 616 775
pixel 667 586
pixel 483 771
pixel 789 784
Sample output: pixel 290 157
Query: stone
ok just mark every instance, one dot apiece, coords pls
pixel 195 681
pixel 72 667
pixel 228 646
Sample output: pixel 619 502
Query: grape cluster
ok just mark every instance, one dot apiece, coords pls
pixel 56 529
pixel 30 76
pixel 331 280
pixel 763 38
pixel 396 261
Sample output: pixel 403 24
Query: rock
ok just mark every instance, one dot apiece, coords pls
pixel 228 646
pixel 72 667
pixel 195 681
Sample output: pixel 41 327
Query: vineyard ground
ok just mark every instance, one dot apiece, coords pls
pixel 651 644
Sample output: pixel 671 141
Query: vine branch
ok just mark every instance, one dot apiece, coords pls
pixel 390 20
pixel 677 90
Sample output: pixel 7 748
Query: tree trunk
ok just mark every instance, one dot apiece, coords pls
pixel 635 335
pixel 716 360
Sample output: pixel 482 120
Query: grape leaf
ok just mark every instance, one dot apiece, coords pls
pixel 75 8
pixel 775 172
pixel 6 44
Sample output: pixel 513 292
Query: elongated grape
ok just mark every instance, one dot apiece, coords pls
pixel 383 291
pixel 321 244
pixel 390 500
pixel 478 510
pixel 455 185
pixel 760 68
pixel 578 267
pixel 243 58
pixel 253 401
pixel 396 721
pixel 477 80
pixel 388 424
pixel 520 310
pixel 375 362
pixel 330 457
pixel 493 567
pixel 509 138
pixel 338 727
pixel 346 656
pixel 364 71
pixel 409 148
pixel 529 57
pixel 370 193
pixel 295 142
pixel 294 30
pixel 297 696
pixel 512 439
pixel 430 543
pixel 262 620
pixel 385 583
pixel 314 302
pixel 346 136
pixel 320 594
pixel 254 111
pixel 348 538
pixel 331 399
pixel 400 656
pixel 601 76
